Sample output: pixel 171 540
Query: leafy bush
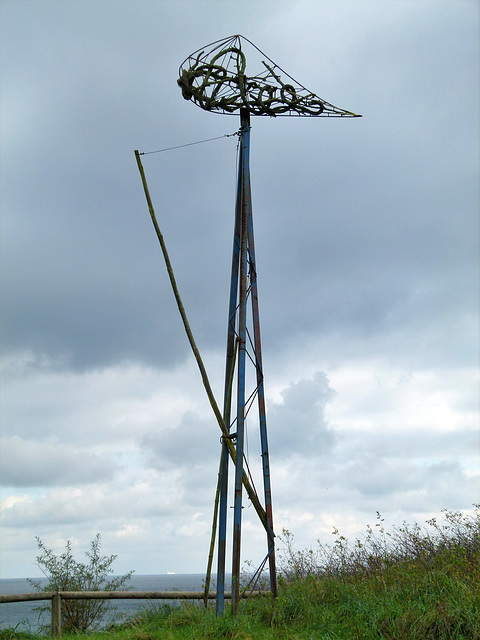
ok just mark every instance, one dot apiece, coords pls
pixel 412 583
pixel 64 573
pixel 458 536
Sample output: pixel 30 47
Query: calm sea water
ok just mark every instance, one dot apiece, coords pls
pixel 23 614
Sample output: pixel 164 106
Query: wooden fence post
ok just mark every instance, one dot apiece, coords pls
pixel 57 597
pixel 56 615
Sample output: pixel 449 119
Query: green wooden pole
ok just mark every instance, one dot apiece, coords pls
pixel 206 383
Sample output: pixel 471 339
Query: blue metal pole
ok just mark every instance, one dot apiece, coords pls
pixel 242 336
pixel 243 283
pixel 229 373
pixel 261 408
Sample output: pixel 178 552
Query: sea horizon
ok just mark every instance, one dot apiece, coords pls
pixel 23 615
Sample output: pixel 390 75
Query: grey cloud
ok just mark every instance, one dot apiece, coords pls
pixel 298 425
pixel 192 444
pixel 405 482
pixel 368 212
pixel 26 463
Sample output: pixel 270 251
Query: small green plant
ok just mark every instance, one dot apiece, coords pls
pixel 13 634
pixel 64 573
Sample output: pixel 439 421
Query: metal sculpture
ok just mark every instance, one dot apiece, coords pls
pixel 215 78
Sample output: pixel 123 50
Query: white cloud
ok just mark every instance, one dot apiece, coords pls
pixel 365 439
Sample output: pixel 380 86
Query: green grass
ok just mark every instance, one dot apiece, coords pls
pixel 411 583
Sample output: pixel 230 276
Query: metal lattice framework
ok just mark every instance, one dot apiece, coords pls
pixel 216 79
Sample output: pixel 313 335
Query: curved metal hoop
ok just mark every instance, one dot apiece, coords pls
pixel 215 79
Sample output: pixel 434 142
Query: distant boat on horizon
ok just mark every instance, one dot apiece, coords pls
pixel 171 573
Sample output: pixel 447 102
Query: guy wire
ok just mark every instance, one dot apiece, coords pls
pixel 190 144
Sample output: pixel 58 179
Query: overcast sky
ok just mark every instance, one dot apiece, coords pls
pixel 367 245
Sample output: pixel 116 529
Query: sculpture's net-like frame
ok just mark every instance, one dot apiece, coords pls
pixel 215 79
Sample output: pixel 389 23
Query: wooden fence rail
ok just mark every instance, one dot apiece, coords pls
pixel 57 596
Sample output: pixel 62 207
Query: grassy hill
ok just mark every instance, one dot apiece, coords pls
pixel 411 583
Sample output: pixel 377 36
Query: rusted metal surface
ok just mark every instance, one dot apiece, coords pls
pixel 243 285
pixel 245 211
pixel 262 413
pixel 227 402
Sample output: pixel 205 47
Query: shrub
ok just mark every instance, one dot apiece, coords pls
pixel 64 573
pixel 378 551
pixel 412 583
